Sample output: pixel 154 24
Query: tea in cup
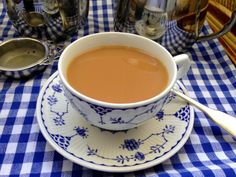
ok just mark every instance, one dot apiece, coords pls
pixel 113 74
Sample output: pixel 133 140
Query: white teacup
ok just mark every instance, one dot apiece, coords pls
pixel 120 116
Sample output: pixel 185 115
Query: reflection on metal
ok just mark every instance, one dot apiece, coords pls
pixel 175 24
pixel 34 19
pixel 47 19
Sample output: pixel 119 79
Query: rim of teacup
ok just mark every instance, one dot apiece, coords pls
pixel 117 105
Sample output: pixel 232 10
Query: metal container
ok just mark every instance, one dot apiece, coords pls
pixel 23 57
pixel 175 24
pixel 47 19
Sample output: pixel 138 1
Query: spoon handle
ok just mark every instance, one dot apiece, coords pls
pixel 226 121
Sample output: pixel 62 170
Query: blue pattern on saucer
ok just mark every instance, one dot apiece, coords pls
pixel 75 137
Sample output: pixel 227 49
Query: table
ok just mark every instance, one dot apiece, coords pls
pixel 209 151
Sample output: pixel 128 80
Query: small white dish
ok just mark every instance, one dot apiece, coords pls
pixel 123 151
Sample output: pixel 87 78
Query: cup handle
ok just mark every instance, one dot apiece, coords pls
pixel 183 64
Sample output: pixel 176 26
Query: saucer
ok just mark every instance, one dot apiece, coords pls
pixel 112 151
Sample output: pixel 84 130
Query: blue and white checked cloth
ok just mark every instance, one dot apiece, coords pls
pixel 209 151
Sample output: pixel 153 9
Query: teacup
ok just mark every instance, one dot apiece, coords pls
pixel 120 116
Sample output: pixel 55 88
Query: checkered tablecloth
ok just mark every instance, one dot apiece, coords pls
pixel 209 151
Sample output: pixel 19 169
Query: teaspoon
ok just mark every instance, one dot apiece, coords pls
pixel 226 121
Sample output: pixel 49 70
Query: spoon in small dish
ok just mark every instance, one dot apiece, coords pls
pixel 225 121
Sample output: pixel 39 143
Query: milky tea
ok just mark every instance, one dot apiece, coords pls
pixel 117 74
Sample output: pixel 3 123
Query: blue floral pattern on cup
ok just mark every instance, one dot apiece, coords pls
pixel 109 118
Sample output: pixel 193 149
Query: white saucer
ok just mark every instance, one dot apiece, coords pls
pixel 139 148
